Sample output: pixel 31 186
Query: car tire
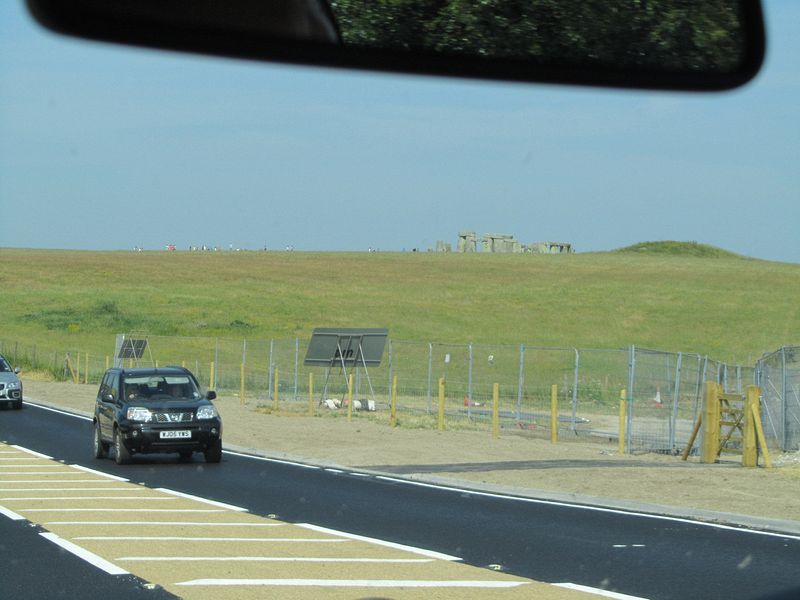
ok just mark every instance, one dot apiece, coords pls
pixel 17 405
pixel 213 453
pixel 121 454
pixel 99 447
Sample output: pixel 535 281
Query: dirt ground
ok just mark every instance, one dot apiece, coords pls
pixel 578 471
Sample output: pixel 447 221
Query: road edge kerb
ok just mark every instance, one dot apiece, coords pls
pixel 702 516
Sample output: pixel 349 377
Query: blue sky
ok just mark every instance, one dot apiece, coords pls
pixel 106 147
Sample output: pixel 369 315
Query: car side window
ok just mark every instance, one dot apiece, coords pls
pixel 114 386
pixel 104 385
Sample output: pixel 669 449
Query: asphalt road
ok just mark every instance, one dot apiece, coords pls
pixel 642 556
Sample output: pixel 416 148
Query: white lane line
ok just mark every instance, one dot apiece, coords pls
pixel 38 473
pixel 166 523
pixel 337 471
pixel 125 510
pixel 89 557
pixel 100 473
pixel 32 466
pixel 31 452
pixel 74 489
pixel 361 538
pixel 273 460
pixel 597 591
pixel 55 410
pixel 50 480
pixel 139 498
pixel 203 500
pixel 11 514
pixel 370 583
pixel 108 538
pixel 356 474
pixel 616 511
pixel 273 559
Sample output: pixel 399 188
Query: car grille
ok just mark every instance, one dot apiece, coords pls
pixel 173 417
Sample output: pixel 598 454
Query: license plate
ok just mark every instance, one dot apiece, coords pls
pixel 171 435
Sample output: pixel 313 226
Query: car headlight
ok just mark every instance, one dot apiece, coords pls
pixel 14 385
pixel 207 412
pixel 138 413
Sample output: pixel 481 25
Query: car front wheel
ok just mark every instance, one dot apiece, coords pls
pixel 213 453
pixel 121 454
pixel 99 447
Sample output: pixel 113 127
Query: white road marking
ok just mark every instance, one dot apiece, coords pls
pixel 138 498
pixel 89 557
pixel 11 514
pixel 166 523
pixel 32 466
pixel 371 583
pixel 31 452
pixel 125 510
pixel 50 480
pixel 18 458
pixel 204 500
pixel 273 460
pixel 616 511
pixel 337 471
pixel 597 591
pixel 100 473
pixel 361 538
pixel 74 489
pixel 55 410
pixel 356 474
pixel 108 538
pixel 40 472
pixel 272 559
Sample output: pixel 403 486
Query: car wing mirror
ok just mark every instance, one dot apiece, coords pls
pixel 211 395
pixel 17 370
pixel 658 44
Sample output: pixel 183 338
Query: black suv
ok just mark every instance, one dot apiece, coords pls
pixel 145 410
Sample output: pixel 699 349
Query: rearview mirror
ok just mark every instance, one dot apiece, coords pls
pixel 211 395
pixel 666 44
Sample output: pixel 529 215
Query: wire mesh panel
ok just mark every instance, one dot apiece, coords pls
pixel 665 398
pixel 778 376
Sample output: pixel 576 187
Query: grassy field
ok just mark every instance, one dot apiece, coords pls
pixel 670 296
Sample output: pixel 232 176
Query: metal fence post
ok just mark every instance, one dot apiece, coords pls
pixel 630 397
pixel 216 363
pixel 271 371
pixel 521 381
pixel 430 372
pixel 784 403
pixel 296 357
pixel 391 371
pixel 469 384
pixel 575 389
pixel 673 423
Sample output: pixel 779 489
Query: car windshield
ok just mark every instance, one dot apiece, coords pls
pixel 147 387
pixel 4 366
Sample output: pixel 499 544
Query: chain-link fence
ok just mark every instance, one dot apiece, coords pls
pixel 664 389
pixel 778 376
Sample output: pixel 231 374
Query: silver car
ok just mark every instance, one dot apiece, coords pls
pixel 10 385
